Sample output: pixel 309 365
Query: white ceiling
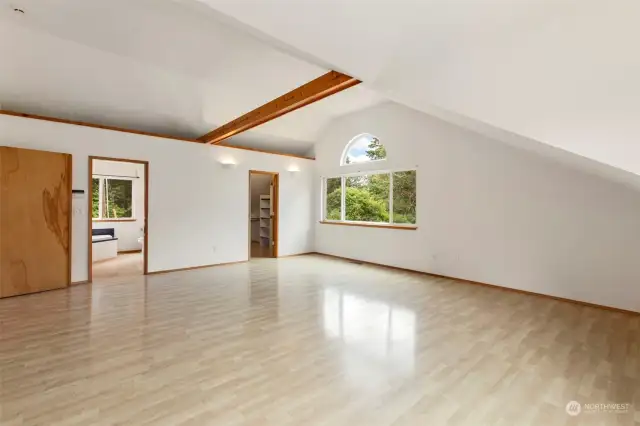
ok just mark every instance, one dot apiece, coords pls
pixel 562 72
pixel 164 66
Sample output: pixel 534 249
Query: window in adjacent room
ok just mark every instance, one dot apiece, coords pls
pixel 112 198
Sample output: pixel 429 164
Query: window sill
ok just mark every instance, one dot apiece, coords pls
pixel 114 220
pixel 371 225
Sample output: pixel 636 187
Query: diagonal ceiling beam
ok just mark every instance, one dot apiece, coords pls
pixel 323 86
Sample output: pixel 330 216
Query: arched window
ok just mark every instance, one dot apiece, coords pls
pixel 363 148
pixel 379 197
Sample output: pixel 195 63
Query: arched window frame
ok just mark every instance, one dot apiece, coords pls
pixel 347 148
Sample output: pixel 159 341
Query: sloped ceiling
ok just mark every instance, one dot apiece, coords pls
pixel 564 73
pixel 162 66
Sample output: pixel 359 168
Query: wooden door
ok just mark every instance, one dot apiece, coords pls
pixel 35 221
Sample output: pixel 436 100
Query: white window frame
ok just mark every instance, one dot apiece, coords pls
pixel 343 211
pixel 345 153
pixel 101 180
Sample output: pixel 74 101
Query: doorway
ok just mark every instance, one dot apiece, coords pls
pixel 263 214
pixel 118 201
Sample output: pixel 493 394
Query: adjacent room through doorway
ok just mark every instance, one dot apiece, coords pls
pixel 263 214
pixel 118 218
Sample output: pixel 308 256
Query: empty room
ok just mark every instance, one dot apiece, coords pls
pixel 277 212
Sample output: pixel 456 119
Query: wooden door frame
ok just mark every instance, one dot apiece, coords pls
pixel 276 209
pixel 70 189
pixel 145 249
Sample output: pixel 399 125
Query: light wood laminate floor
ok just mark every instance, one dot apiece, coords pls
pixel 124 265
pixel 258 250
pixel 310 340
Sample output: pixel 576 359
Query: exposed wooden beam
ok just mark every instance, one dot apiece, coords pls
pixel 137 132
pixel 323 86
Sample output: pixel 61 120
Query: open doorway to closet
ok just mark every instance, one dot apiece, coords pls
pixel 263 214
pixel 118 212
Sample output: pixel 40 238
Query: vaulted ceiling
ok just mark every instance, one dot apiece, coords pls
pixel 553 73
pixel 162 66
pixel 565 73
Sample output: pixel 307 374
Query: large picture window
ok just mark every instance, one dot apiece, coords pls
pixel 112 199
pixel 373 197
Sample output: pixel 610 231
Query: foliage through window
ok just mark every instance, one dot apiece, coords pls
pixel 367 198
pixel 404 197
pixel 333 196
pixel 378 196
pixel 112 198
pixel 95 198
pixel 363 148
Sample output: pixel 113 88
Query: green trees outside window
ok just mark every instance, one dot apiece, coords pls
pixel 404 197
pixel 367 197
pixel 112 198
pixel 95 198
pixel 334 198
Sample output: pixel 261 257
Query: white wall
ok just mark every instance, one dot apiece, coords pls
pixel 260 185
pixel 492 213
pixel 127 232
pixel 197 209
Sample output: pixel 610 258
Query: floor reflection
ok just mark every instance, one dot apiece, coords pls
pixel 380 333
pixel 307 340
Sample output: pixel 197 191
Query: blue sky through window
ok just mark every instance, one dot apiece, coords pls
pixel 356 152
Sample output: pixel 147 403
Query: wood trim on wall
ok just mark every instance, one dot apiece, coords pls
pixel 118 160
pixel 493 286
pixel 145 258
pixel 372 225
pixel 95 126
pixel 137 132
pixel 313 91
pixel 90 215
pixel 166 271
pixel 297 254
pixel 70 224
pixel 276 212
